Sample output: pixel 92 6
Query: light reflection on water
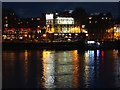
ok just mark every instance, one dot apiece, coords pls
pixel 61 69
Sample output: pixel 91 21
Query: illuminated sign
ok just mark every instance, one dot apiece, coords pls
pixel 64 20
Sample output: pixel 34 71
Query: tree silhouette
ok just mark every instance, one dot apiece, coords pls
pixel 80 15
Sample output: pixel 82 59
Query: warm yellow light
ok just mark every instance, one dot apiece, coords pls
pixel 85 31
pixel 6 17
pixel 115 34
pixel 25 35
pixel 90 17
pixel 76 28
pixel 86 34
pixel 83 26
pixel 38 26
pixel 70 34
pixel 76 34
pixel 38 18
pixel 115 28
pixel 47 25
pixel 89 21
pixel 26 55
pixel 44 35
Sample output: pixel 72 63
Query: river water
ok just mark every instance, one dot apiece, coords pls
pixel 61 69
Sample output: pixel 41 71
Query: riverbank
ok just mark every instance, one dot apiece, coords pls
pixel 59 45
pixel 43 45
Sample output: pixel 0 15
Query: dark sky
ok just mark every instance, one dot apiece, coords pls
pixel 34 9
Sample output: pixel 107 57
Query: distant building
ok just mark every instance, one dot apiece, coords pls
pixel 61 23
pixel 117 31
pixel 29 22
pixel 97 25
pixel 9 19
pixel 65 25
pixel 62 26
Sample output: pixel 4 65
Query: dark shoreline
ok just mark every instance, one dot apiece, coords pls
pixel 58 45
pixel 45 45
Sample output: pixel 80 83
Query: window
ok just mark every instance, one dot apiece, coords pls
pixel 38 18
pixel 6 17
pixel 31 18
pixel 83 26
pixel 6 25
pixel 6 21
pixel 90 17
pixel 89 21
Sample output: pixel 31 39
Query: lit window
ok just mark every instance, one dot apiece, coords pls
pixel 115 27
pixel 102 17
pixel 83 26
pixel 76 34
pixel 38 18
pixel 6 25
pixel 90 17
pixel 86 34
pixel 6 17
pixel 44 35
pixel 6 21
pixel 32 19
pixel 70 34
pixel 106 18
pixel 89 21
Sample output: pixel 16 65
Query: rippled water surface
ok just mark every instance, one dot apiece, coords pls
pixel 61 69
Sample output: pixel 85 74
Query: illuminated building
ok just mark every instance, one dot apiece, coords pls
pixel 61 24
pixel 49 23
pixel 117 31
pixel 62 27
pixel 9 19
pixel 66 25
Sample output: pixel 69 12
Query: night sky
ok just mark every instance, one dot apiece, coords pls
pixel 34 9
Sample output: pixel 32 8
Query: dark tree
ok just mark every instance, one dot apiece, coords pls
pixel 80 15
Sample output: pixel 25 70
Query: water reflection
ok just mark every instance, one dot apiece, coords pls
pixel 61 69
pixel 48 69
pixel 26 66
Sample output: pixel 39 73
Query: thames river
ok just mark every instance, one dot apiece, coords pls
pixel 61 69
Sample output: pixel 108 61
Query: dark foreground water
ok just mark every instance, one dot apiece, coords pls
pixel 61 69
